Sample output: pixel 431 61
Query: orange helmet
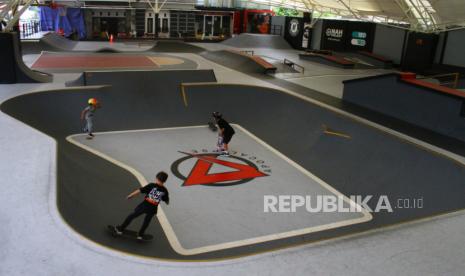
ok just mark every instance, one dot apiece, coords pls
pixel 92 101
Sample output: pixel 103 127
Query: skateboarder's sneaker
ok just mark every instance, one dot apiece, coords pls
pixel 140 238
pixel 118 231
pixel 224 153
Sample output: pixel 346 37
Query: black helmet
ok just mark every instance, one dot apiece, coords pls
pixel 217 114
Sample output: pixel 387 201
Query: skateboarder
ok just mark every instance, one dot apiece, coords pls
pixel 154 194
pixel 88 114
pixel 225 131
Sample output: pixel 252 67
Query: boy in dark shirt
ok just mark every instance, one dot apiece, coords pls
pixel 225 131
pixel 154 194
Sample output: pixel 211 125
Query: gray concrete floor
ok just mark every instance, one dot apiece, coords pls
pixel 35 240
pixel 201 228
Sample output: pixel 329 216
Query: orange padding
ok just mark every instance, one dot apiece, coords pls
pixel 265 64
pixel 337 59
pixel 333 58
pixel 408 75
pixel 375 56
pixel 436 87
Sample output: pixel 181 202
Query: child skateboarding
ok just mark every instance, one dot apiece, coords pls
pixel 225 132
pixel 154 194
pixel 88 114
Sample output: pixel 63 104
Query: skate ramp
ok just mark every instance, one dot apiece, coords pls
pixel 174 46
pixel 257 41
pixel 12 67
pixel 53 42
pixel 58 42
pixel 233 60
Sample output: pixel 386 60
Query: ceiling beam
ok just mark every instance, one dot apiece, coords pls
pixel 12 22
pixel 355 14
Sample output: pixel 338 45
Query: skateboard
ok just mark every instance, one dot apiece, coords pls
pixel 127 234
pixel 84 129
pixel 212 126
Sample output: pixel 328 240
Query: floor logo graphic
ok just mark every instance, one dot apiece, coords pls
pixel 237 169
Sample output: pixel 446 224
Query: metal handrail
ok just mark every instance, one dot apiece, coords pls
pixel 454 82
pixel 248 52
pixel 293 65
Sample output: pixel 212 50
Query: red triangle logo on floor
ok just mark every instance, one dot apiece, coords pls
pixel 199 174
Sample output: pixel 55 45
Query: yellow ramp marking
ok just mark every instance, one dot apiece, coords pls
pixel 160 61
pixel 329 131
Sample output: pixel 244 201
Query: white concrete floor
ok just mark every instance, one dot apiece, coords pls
pixel 34 240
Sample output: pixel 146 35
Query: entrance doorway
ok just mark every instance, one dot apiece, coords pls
pixel 212 25
pixel 109 25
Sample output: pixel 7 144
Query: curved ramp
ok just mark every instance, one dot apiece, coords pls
pixel 175 46
pixel 234 60
pixel 12 67
pixel 245 40
pixel 53 42
pixel 58 42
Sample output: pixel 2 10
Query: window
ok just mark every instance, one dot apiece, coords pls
pixel 149 25
pixel 164 27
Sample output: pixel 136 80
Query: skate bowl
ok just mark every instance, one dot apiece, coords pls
pixel 156 120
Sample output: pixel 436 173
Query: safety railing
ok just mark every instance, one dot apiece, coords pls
pixel 450 79
pixel 29 28
pixel 247 52
pixel 294 65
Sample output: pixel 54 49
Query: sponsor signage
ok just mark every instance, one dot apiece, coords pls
pixel 339 35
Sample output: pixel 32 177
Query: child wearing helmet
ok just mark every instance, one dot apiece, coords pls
pixel 225 132
pixel 88 114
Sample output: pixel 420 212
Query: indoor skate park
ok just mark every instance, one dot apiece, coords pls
pixel 361 102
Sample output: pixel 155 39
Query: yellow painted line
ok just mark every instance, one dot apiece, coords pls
pixel 183 88
pixel 168 229
pixel 165 60
pixel 335 133
pixel 456 158
pixel 153 60
pixel 183 95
